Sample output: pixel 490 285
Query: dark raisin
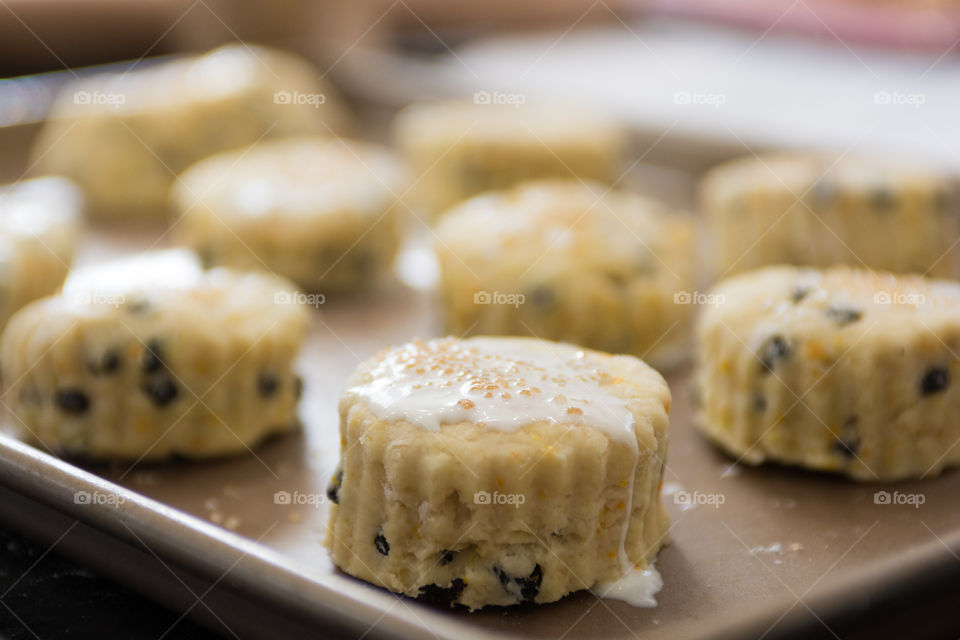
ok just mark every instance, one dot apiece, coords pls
pixel 543 296
pixel 297 387
pixel 446 596
pixel 882 200
pixel 799 293
pixel 824 191
pixel 529 587
pixel 502 576
pixel 333 489
pixel 774 350
pixel 207 256
pixel 848 443
pixel 446 558
pixel 108 363
pixel 138 307
pixel 936 379
pixel 72 400
pixel 759 402
pixel 617 279
pixel 267 384
pixel 162 391
pixel 363 262
pixel 151 359
pixel 848 449
pixel 843 316
pixel 380 542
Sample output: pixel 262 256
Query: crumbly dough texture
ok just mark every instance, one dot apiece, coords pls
pixel 819 210
pixel 457 149
pixel 197 371
pixel 407 518
pixel 594 267
pixel 39 225
pixel 841 370
pixel 123 138
pixel 321 212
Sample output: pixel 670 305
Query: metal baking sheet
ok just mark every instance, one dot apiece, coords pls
pixel 754 551
pixel 747 544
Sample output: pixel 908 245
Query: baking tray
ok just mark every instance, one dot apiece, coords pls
pixel 769 551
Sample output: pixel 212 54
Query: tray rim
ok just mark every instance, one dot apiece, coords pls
pixel 268 576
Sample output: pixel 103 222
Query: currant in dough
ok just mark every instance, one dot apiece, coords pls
pixel 819 210
pixel 494 471
pixel 150 357
pixel 322 212
pixel 841 370
pixel 124 137
pixel 573 262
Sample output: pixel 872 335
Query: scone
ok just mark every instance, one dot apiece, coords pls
pixel 39 225
pixel 124 137
pixel 321 212
pixel 840 370
pixel 565 261
pixel 494 471
pixel 150 357
pixel 457 148
pixel 819 210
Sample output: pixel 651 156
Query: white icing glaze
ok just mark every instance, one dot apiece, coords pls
pixel 506 384
pixel 294 177
pixel 502 384
pixel 636 586
pixel 169 269
pixel 34 207
pixel 417 267
pixel 308 191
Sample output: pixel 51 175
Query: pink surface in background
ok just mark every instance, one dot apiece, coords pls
pixel 889 24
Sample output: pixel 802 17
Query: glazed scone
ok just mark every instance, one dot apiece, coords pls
pixel 565 261
pixel 820 210
pixel 840 370
pixel 457 149
pixel 319 211
pixel 39 225
pixel 494 471
pixel 123 138
pixel 149 357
